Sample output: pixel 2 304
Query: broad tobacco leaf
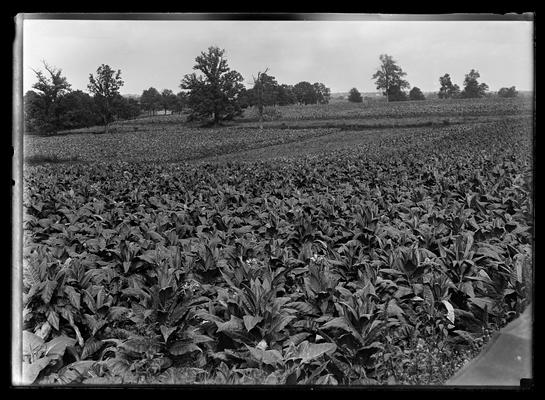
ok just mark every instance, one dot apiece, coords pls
pixel 306 351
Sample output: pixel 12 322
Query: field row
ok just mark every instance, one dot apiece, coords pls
pixel 163 144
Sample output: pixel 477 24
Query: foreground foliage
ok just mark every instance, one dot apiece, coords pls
pixel 330 269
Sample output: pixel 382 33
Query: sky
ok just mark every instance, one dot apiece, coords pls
pixel 340 54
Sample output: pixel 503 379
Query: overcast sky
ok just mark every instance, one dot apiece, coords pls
pixel 341 54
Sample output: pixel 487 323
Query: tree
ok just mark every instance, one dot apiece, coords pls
pixel 126 108
pixel 78 110
pixel 213 94
pixel 354 96
pixel 286 95
pixel 396 93
pixel 447 89
pixel 34 112
pixel 151 100
pixel 416 94
pixel 43 108
pixel 181 102
pixel 259 93
pixel 389 78
pixel 508 92
pixel 168 100
pixel 322 93
pixel 265 89
pixel 305 93
pixel 472 88
pixel 105 87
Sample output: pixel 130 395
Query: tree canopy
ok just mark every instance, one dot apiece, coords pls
pixel 354 96
pixel 151 100
pixel 416 94
pixel 508 92
pixel 472 88
pixel 105 88
pixel 448 90
pixel 43 107
pixel 389 79
pixel 215 91
pixel 168 100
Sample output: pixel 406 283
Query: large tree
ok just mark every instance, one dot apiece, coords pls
pixel 354 96
pixel 448 90
pixel 389 78
pixel 42 109
pixel 105 88
pixel 214 93
pixel 472 87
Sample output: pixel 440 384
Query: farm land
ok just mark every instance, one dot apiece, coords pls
pixel 341 244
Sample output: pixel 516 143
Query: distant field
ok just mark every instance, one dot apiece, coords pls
pixel 406 109
pixel 170 139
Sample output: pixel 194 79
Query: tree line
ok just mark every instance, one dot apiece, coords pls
pixel 216 93
pixel 213 93
pixel 389 79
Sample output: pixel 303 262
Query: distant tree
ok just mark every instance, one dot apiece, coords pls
pixel 305 93
pixel 286 95
pixel 389 78
pixel 269 89
pixel 78 110
pixel 396 93
pixel 416 94
pixel 472 88
pixel 126 108
pixel 323 94
pixel 42 109
pixel 105 88
pixel 354 96
pixel 151 100
pixel 214 94
pixel 262 85
pixel 508 92
pixel 246 98
pixel 168 100
pixel 181 102
pixel 448 90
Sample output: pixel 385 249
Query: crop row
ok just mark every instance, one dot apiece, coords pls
pixel 160 144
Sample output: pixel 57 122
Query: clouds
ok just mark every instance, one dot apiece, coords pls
pixel 341 54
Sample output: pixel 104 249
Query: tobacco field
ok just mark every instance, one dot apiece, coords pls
pixel 388 261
